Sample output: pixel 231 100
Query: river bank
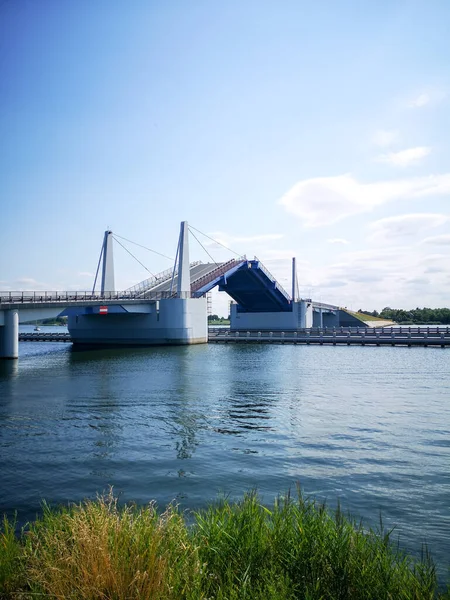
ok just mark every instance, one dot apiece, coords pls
pixel 294 549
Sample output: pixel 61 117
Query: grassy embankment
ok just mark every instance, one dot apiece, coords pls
pixel 369 319
pixel 296 549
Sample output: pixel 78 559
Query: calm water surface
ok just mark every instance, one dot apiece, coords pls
pixel 370 426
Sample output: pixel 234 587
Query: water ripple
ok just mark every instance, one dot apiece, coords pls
pixel 368 425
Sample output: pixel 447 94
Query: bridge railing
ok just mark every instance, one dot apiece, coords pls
pixel 269 275
pixel 219 270
pixel 399 330
pixel 26 297
pixel 151 282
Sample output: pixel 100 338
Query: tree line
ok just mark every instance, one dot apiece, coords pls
pixel 216 318
pixel 416 316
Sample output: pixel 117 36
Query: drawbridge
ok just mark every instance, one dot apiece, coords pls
pixel 168 308
pixel 247 282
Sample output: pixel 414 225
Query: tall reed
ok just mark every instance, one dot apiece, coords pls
pixel 297 549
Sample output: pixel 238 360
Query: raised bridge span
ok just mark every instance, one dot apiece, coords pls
pixel 259 302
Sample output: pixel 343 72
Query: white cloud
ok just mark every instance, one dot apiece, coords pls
pixel 438 240
pixel 258 238
pixel 325 200
pixel 420 100
pixel 406 157
pixel 227 238
pixel 239 244
pixel 383 276
pixel 30 284
pixel 429 97
pixel 392 229
pixel 338 241
pixel 385 138
pixel 85 274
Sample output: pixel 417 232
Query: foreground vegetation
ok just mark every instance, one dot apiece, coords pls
pixel 296 549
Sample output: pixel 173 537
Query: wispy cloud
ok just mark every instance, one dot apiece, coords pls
pixel 259 238
pixel 404 158
pixel 285 255
pixel 438 240
pixel 391 271
pixel 384 138
pixel 28 283
pixel 419 101
pixel 429 97
pixel 395 229
pixel 325 200
pixel 338 241
pixel 230 240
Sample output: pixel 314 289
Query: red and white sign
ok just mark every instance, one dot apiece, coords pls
pixel 103 310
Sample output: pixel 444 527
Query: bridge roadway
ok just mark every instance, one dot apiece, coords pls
pixel 380 336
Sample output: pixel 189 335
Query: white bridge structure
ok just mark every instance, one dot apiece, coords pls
pixel 169 308
pixel 158 311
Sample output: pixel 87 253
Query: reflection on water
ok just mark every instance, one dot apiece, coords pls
pixel 9 368
pixel 368 425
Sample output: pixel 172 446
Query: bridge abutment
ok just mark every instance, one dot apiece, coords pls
pixel 9 335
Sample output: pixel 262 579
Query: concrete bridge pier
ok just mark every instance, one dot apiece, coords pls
pixel 9 335
pixel 318 317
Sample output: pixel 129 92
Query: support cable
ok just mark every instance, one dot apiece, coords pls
pixel 174 267
pixel 203 247
pixel 212 239
pixel 141 246
pixel 98 268
pixel 142 265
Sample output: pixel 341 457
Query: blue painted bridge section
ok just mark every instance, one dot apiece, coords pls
pixel 250 285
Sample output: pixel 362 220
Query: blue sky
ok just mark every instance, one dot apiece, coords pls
pixel 312 129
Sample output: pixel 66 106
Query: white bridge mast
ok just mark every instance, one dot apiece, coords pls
pixel 108 284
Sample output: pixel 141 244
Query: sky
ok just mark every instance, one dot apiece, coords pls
pixel 319 130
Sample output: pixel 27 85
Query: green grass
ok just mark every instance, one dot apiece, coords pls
pixel 296 549
pixel 363 317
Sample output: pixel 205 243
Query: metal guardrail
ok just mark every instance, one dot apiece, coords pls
pixel 323 305
pixel 151 282
pixel 438 337
pixel 42 297
pixel 336 339
pixel 219 270
pixel 344 330
pixel 272 278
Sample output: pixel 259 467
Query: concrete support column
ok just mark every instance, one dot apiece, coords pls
pixel 9 335
pixel 320 318
pixel 294 281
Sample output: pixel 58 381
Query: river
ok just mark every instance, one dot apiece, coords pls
pixel 369 426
